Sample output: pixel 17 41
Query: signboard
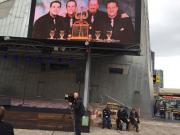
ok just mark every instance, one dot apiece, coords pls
pixel 107 21
pixel 158 79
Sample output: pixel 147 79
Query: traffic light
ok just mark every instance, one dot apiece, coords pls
pixel 154 78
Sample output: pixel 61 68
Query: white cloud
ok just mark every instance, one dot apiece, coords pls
pixel 171 68
pixel 164 18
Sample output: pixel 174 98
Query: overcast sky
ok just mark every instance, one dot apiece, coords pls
pixel 164 17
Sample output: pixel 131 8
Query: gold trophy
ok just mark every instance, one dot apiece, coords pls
pixel 80 28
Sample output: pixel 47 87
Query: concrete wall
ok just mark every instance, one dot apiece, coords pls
pixel 133 88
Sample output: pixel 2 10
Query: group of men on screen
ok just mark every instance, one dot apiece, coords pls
pixel 119 23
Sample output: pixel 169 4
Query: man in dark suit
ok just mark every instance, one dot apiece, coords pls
pixel 49 25
pixel 71 7
pixel 106 120
pixel 5 128
pixel 134 118
pixel 122 28
pixel 122 116
pixel 79 111
pixel 95 17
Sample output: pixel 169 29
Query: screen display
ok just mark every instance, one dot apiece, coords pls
pixel 109 21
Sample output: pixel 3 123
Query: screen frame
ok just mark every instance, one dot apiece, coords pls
pixel 136 44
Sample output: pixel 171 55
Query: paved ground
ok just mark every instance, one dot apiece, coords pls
pixel 147 127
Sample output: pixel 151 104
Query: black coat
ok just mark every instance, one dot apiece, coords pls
pixel 77 107
pixel 99 18
pixel 122 30
pixel 133 115
pixel 6 128
pixel 68 29
pixel 106 113
pixel 122 114
pixel 44 24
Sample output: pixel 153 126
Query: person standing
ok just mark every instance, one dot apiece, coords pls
pixel 95 17
pixel 71 7
pixel 5 128
pixel 162 109
pixel 49 25
pixel 121 28
pixel 78 110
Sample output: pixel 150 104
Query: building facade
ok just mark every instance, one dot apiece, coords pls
pixel 133 86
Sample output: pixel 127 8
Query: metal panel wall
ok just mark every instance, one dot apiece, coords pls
pixel 134 89
pixel 27 79
pixel 16 23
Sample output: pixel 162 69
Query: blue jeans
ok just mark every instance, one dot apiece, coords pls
pixel 78 125
pixel 106 122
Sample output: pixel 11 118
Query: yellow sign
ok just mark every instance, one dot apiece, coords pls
pixel 158 79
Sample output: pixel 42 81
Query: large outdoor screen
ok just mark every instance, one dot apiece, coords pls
pixel 106 21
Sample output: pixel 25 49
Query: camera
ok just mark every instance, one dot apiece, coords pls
pixel 69 97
